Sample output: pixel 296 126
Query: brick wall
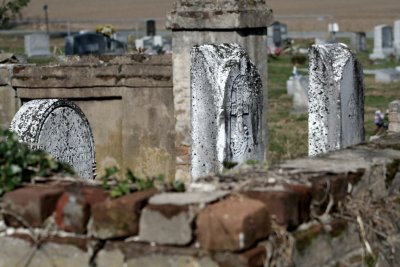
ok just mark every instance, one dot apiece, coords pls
pixel 337 209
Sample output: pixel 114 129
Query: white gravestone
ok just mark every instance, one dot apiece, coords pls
pixel 60 128
pixel 298 86
pixel 336 99
pixel 396 36
pixel 37 45
pixel 227 104
pixel 383 42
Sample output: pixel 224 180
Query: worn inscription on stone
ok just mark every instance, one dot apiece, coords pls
pixel 227 103
pixel 60 128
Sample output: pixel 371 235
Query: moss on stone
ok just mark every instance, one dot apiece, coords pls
pixel 304 238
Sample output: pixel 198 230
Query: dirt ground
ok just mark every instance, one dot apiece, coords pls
pixel 352 15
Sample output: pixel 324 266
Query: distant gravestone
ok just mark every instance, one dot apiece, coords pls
pixel 336 99
pixel 383 42
pixel 359 41
pixel 299 90
pixel 37 45
pixel 85 43
pixel 396 37
pixel 60 128
pixel 227 104
pixel 394 116
pixel 151 27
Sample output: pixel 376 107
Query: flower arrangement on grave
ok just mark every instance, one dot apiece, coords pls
pixel 106 29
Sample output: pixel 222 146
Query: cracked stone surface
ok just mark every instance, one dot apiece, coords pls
pixel 60 128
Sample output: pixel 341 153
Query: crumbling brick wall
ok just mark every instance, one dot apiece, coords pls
pixel 337 209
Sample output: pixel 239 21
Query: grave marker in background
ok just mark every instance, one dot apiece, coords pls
pixel 297 86
pixel 383 42
pixel 227 108
pixel 396 37
pixel 37 45
pixel 336 99
pixel 60 128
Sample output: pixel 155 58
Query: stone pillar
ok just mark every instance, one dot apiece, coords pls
pixel 227 106
pixel 336 99
pixel 195 22
pixel 394 116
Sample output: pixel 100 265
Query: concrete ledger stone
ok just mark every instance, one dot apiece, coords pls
pixel 32 204
pixel 233 224
pixel 119 217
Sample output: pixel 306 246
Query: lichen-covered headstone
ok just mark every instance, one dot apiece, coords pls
pixel 336 99
pixel 227 105
pixel 60 128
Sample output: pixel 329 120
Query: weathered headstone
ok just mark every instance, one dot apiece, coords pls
pixel 195 22
pixel 336 99
pixel 383 42
pixel 37 45
pixel 60 128
pixel 396 37
pixel 227 108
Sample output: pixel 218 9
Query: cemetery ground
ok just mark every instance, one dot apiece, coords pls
pixel 287 132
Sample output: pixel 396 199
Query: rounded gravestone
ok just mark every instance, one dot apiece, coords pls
pixel 60 128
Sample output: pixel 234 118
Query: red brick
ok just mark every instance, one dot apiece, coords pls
pixel 74 207
pixel 282 204
pixel 119 217
pixel 33 204
pixel 233 224
pixel 304 196
pixel 254 257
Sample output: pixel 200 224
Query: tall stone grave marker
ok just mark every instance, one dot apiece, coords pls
pixel 383 42
pixel 37 45
pixel 60 128
pixel 336 99
pixel 197 22
pixel 394 116
pixel 227 108
pixel 396 37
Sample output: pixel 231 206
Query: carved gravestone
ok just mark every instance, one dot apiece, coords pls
pixel 227 105
pixel 60 128
pixel 336 99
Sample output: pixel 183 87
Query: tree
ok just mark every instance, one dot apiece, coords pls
pixel 9 10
